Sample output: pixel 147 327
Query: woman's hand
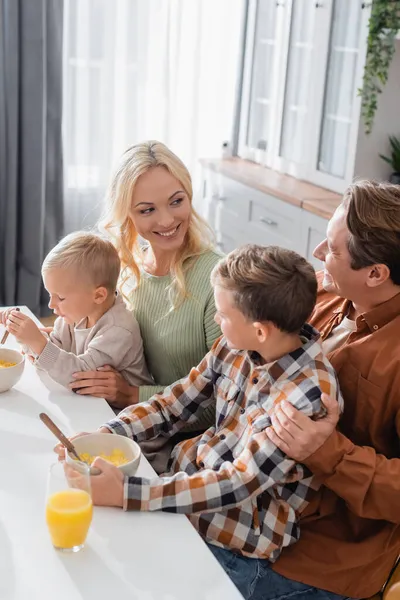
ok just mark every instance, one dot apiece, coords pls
pixel 105 383
pixel 297 435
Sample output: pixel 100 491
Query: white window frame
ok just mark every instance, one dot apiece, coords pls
pixel 308 170
pixel 339 184
pixel 260 156
pixel 320 41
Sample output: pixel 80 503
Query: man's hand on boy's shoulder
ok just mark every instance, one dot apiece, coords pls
pixel 297 435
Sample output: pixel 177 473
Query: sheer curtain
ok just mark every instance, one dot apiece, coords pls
pixel 144 69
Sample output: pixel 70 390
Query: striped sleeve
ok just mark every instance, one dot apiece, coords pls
pixel 259 467
pixel 182 403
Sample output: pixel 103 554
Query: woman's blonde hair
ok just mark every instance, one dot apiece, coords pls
pixel 118 224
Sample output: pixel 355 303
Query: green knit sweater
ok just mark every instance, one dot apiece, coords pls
pixel 175 341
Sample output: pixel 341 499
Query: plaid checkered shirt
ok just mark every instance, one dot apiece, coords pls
pixel 238 489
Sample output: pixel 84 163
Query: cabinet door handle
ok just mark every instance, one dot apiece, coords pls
pixel 222 198
pixel 268 221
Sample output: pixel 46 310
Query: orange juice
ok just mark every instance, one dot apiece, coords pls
pixel 68 516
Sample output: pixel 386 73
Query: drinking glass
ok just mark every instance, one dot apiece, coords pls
pixel 69 506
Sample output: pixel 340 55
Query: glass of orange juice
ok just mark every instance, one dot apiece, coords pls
pixel 69 506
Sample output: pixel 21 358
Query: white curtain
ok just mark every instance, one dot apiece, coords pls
pixel 144 69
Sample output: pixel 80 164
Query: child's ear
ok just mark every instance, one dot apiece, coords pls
pixel 100 295
pixel 262 331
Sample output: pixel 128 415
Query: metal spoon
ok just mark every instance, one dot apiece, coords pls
pixel 64 440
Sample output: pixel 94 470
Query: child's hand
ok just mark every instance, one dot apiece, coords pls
pixel 4 314
pixel 26 331
pixel 108 487
pixel 47 330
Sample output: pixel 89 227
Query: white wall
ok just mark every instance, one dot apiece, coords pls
pixel 387 122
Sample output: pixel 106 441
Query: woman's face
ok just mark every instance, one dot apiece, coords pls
pixel 160 209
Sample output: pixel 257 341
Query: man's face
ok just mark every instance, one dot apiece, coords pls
pixel 339 277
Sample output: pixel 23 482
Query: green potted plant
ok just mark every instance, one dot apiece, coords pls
pixel 384 25
pixel 394 159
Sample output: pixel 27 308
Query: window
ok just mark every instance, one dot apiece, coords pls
pixel 303 66
pixel 100 81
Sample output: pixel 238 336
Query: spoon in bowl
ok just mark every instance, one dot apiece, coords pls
pixel 64 440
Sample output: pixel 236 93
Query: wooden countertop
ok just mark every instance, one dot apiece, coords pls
pixel 317 200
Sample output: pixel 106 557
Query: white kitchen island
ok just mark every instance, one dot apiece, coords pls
pixel 135 556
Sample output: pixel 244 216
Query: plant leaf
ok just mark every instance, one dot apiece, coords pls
pixel 388 160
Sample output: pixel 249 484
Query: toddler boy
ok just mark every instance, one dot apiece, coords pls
pixel 94 327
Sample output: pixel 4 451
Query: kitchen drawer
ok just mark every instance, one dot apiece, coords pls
pixel 228 227
pixel 228 240
pixel 233 199
pixel 246 215
pixel 274 223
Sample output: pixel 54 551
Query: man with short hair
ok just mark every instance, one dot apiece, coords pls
pixel 350 534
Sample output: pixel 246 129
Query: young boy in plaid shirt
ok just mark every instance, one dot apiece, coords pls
pixel 238 489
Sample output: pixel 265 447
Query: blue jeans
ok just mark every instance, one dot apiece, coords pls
pixel 257 581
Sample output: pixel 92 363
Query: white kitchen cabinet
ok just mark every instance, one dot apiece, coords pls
pixel 245 215
pixel 313 230
pixel 207 205
pixel 273 222
pixel 303 66
pixel 240 214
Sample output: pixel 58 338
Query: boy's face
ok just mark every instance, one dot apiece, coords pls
pixel 239 332
pixel 70 296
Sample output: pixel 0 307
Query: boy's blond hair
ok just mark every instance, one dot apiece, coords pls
pixel 89 254
pixel 269 283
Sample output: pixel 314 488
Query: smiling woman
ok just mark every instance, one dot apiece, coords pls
pixel 167 256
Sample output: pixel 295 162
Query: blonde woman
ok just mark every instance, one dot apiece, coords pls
pixel 167 257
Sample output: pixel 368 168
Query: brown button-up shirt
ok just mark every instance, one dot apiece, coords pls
pixel 350 532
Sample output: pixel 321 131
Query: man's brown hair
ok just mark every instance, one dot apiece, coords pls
pixel 269 284
pixel 373 220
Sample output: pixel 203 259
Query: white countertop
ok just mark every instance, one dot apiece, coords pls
pixel 135 556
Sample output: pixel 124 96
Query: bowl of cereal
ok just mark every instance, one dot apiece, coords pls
pixel 119 450
pixel 11 367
